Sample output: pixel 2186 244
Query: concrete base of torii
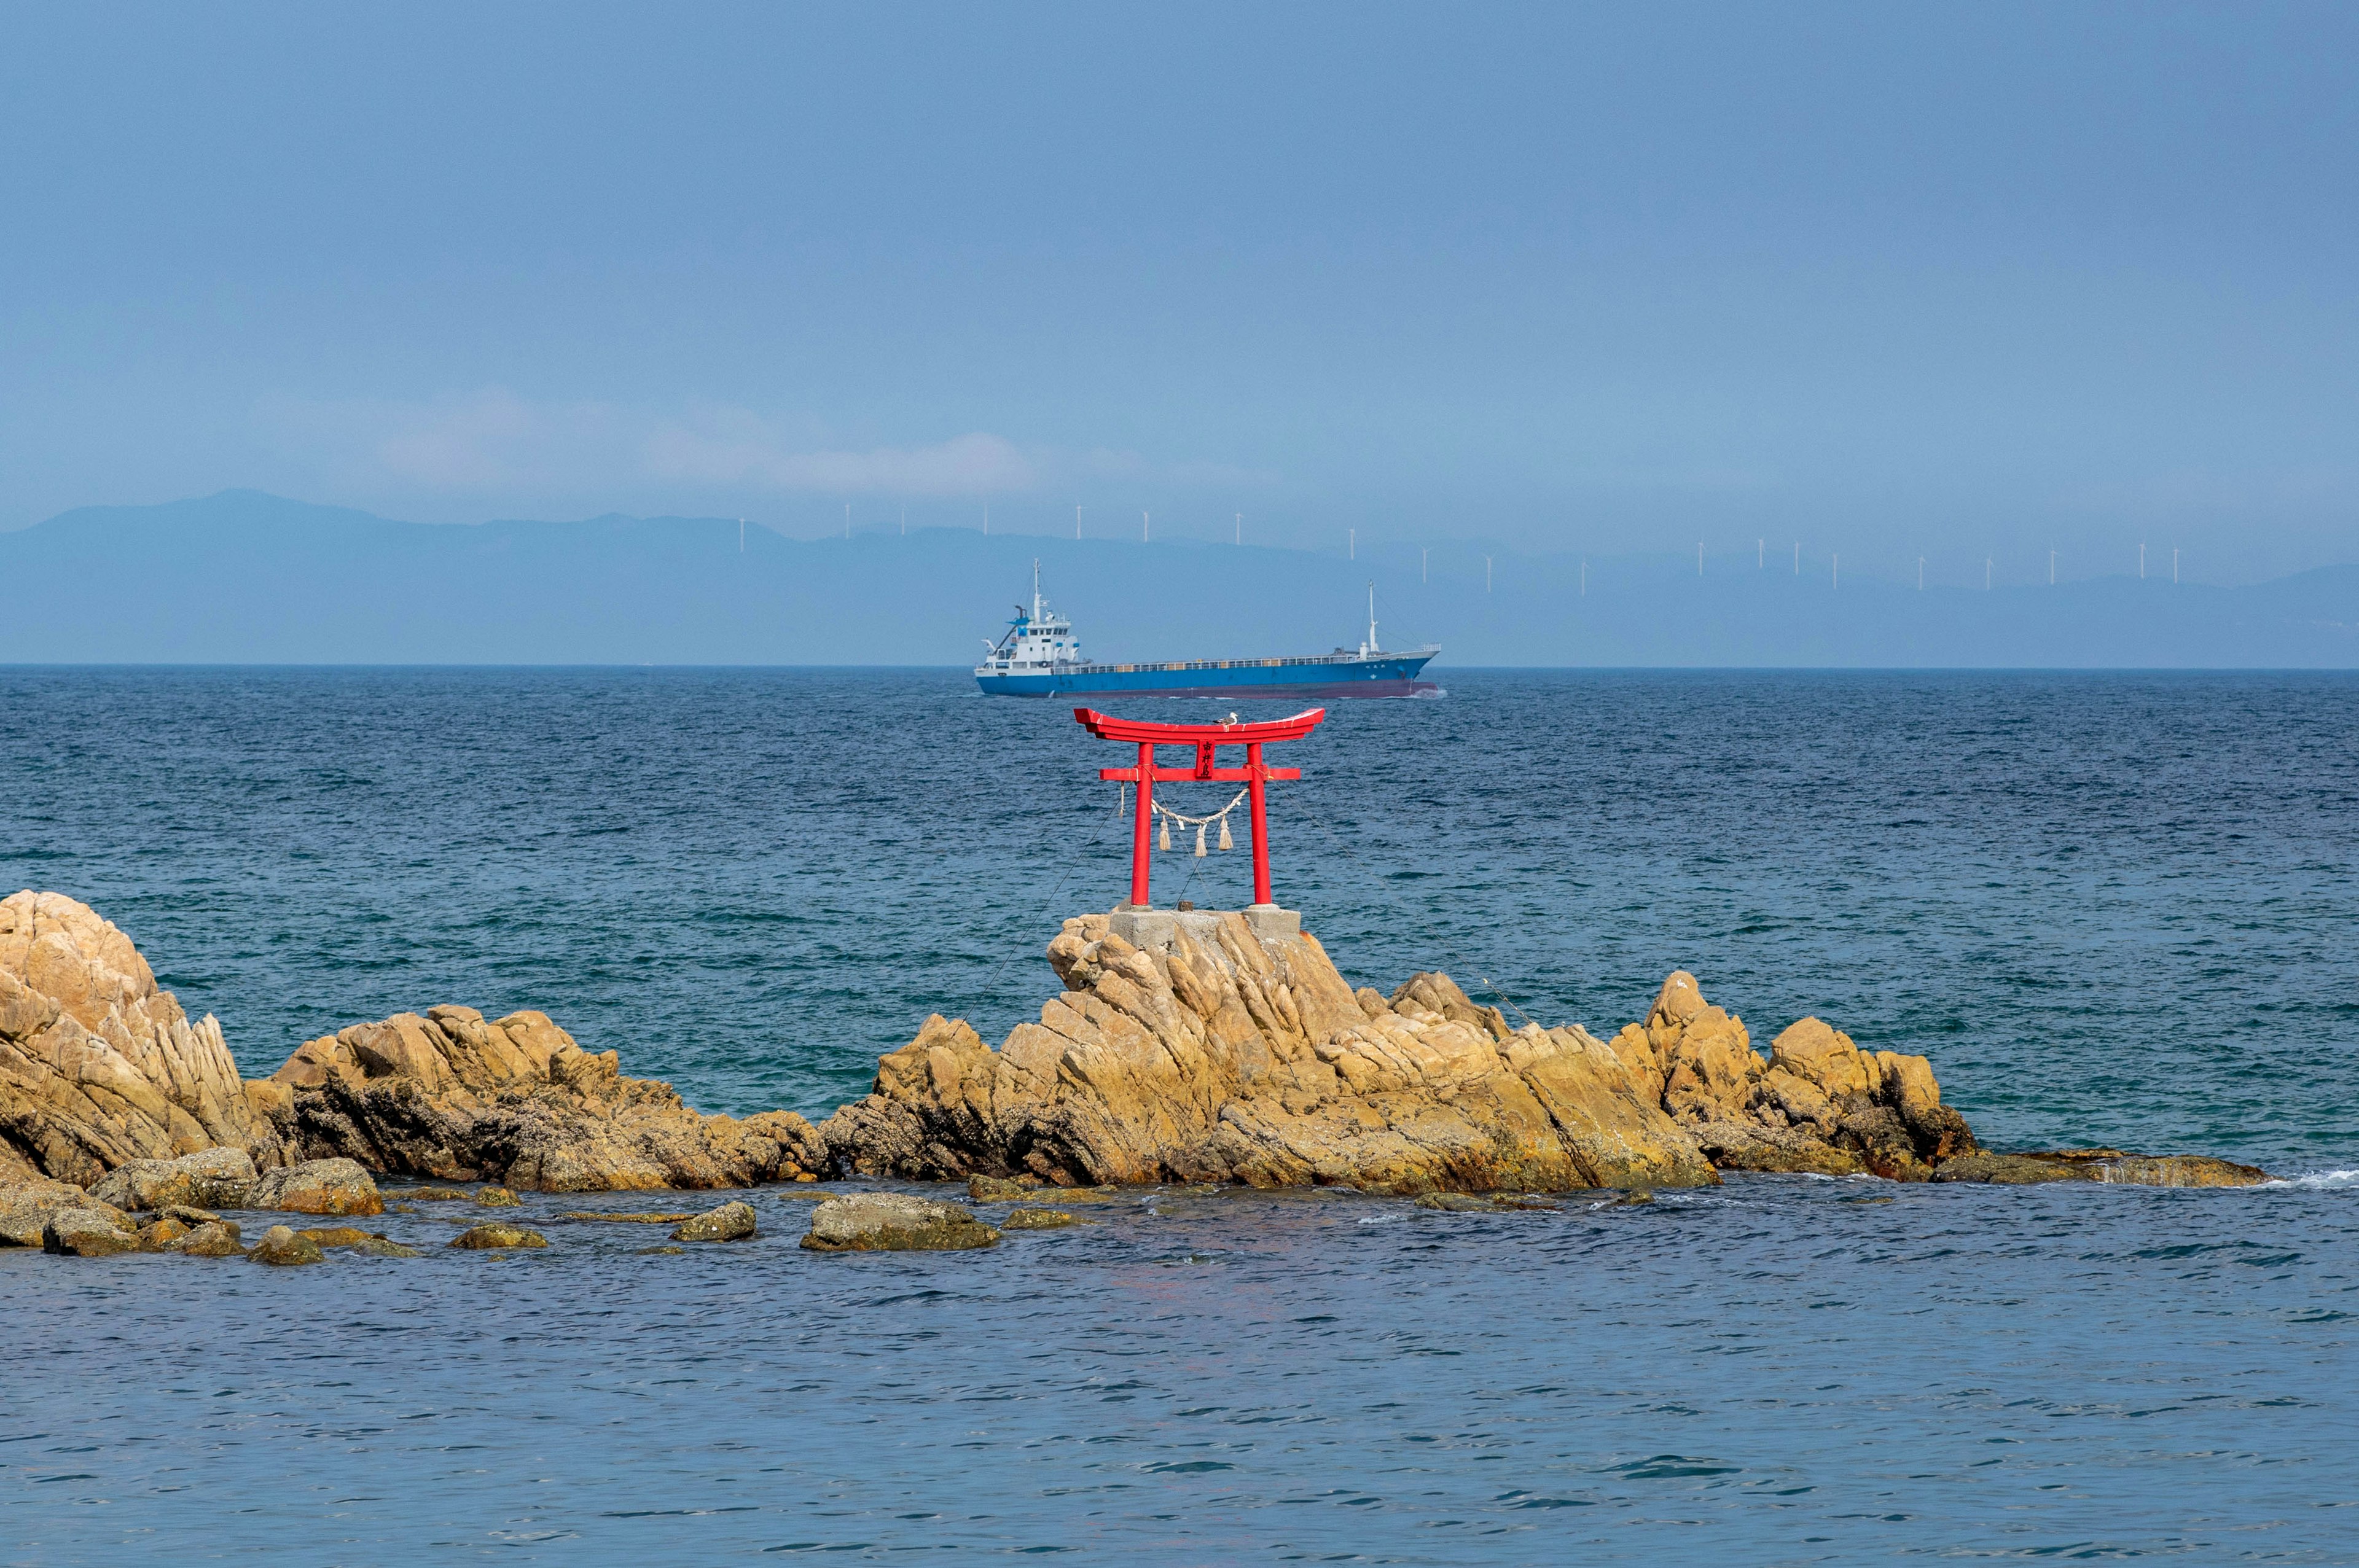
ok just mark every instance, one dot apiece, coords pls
pixel 1152 930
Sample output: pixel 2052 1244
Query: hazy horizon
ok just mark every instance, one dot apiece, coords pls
pixel 1968 284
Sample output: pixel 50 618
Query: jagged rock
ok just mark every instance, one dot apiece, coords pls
pixel 211 1178
pixel 26 1206
pixel 1819 1104
pixel 894 1222
pixel 454 1097
pixel 189 1216
pixel 94 1231
pixel 730 1222
pixel 483 1237
pixel 334 1187
pixel 1039 1219
pixel 286 1248
pixel 1231 1058
pixel 97 1066
pixel 217 1240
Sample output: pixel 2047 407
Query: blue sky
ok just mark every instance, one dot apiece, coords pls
pixel 1958 282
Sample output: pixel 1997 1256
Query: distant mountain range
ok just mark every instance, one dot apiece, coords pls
pixel 244 577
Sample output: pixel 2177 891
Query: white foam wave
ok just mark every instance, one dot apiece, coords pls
pixel 2321 1179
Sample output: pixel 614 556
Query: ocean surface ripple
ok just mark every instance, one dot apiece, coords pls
pixel 2111 908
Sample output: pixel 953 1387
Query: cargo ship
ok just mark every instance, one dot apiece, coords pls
pixel 1039 656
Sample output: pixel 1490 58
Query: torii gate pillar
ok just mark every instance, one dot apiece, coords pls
pixel 1206 739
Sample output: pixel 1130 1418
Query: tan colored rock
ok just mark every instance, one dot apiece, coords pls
pixel 334 1186
pixel 161 1234
pixel 452 1095
pixel 286 1248
pixel 27 1204
pixel 334 1235
pixel 217 1240
pixel 730 1222
pixel 210 1178
pixel 96 1231
pixel 1819 1053
pixel 894 1222
pixel 608 1218
pixel 98 1066
pixel 1039 1219
pixel 2104 1165
pixel 491 1237
pixel 1230 1058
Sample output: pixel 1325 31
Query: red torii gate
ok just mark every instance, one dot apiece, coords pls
pixel 1206 739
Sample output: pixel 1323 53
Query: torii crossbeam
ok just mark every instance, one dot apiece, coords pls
pixel 1207 739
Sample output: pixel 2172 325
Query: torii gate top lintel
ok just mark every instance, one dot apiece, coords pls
pixel 1206 739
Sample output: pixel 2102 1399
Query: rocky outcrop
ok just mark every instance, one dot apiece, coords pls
pixel 27 1206
pixel 1231 1058
pixel 496 1237
pixel 318 1186
pixel 1818 1104
pixel 98 1066
pixel 213 1178
pixel 2110 1165
pixel 454 1096
pixel 730 1222
pixel 286 1248
pixel 894 1222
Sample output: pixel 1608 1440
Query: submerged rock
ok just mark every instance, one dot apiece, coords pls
pixel 217 1239
pixel 1001 1189
pixel 98 1067
pixel 1039 1219
pixel 431 1194
pixel 332 1187
pixel 1229 1057
pixel 625 1218
pixel 334 1235
pixel 286 1248
pixel 2110 1165
pixel 455 1097
pixel 730 1222
pixel 487 1236
pixel 376 1246
pixel 497 1197
pixel 894 1222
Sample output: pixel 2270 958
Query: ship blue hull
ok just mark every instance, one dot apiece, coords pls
pixel 1321 678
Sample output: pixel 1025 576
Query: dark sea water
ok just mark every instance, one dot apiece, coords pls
pixel 2115 909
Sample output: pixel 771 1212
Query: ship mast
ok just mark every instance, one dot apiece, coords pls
pixel 1370 646
pixel 1036 591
